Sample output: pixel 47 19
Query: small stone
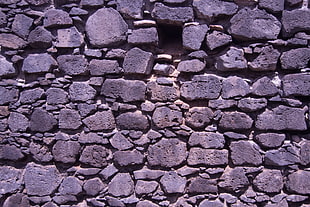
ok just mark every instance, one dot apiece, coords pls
pixel 145 187
pixel 6 68
pixel 144 36
pixel 17 199
pixel 3 19
pixel 103 120
pixel 202 185
pixel 66 151
pixel 296 198
pixel 8 95
pixel 294 21
pixel 222 104
pixel 42 121
pixel 95 155
pixel 56 96
pixel 128 158
pixel 81 91
pixel 207 140
pixel 162 93
pixel 18 122
pixel 232 60
pixel 217 39
pixel 304 152
pixel 298 182
pixel 266 60
pixel 130 9
pixel 72 64
pixel 234 86
pixel 193 36
pixel 38 2
pixel 62 199
pixel 252 104
pixel 10 152
pixel 69 38
pixel 31 95
pixel 295 59
pixel 270 140
pixel 121 185
pixel 269 181
pixel 190 66
pixel 296 85
pixel 138 61
pixel 40 38
pixel 282 157
pixel 132 120
pixel 21 25
pixel 93 186
pixel 40 153
pixel 264 87
pixel 38 63
pixel 103 67
pixel 4 111
pixel 56 18
pixel 146 203
pixel 165 117
pixel 12 41
pixel 198 117
pixel 245 153
pixel 147 174
pixel 234 180
pixel 200 54
pixel 120 142
pixel 10 180
pixel 235 121
pixel 209 157
pixel 70 186
pixel 69 119
pixel 173 183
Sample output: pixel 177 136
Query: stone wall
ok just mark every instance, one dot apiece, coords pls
pixel 149 103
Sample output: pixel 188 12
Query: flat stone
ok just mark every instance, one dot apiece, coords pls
pixel 92 138
pixel 17 199
pixel 190 66
pixel 99 30
pixel 193 36
pixel 69 38
pixel 202 185
pixel 138 61
pixel 41 180
pixel 38 63
pixel 144 36
pixel 167 153
pixel 40 153
pixel 92 3
pixel 128 158
pixel 10 180
pixel 70 186
pixel 270 140
pixel 235 121
pixel 121 185
pixel 207 140
pixel 234 87
pixel 8 95
pixel 72 64
pixel 56 96
pixel 145 187
pixel 282 157
pixel 298 182
pixel 296 85
pixel 254 24
pixel 171 15
pixel 272 6
pixel 18 122
pixel 147 174
pixel 245 153
pixel 269 181
pixel 294 21
pixel 40 38
pixel 162 93
pixel 103 67
pixel 120 142
pixel 215 203
pixel 264 87
pixel 132 120
pixel 217 39
pixel 93 186
pixel 95 155
pixel 6 68
pixel 232 60
pixel 31 95
pixel 103 120
pixel 3 19
pixel 10 152
pixel 21 25
pixel 209 157
pixel 77 12
pixel 234 180
pixel 198 117
pixel 252 104
pixel 173 183
pixel 69 119
pixel 66 151
pixel 38 2
pixel 56 18
pixel 295 59
pixel 12 41
pixel 282 118
pixel 222 104
pixel 130 9
pixel 304 152
pixel 165 117
pixel 42 121
pixel 146 203
pixel 266 60
pixel 81 91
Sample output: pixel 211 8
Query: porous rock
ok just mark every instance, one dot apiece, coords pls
pixel 264 87
pixel 270 140
pixel 69 119
pixel 130 9
pixel 8 95
pixel 234 179
pixel 193 36
pixel 145 187
pixel 40 38
pixel 144 36
pixel 272 6
pixel 207 140
pixel 12 41
pixel 266 60
pixel 252 104
pixel 217 39
pixel 198 117
pixel 21 25
pixel 234 86
pixel 304 152
pixel 232 60
pixel 10 179
pixel 209 157
pixel 236 121
pixel 202 185
pixel 18 122
pixel 298 182
pixel 138 61
pixel 295 21
pixel 38 63
pixel 56 18
pixel 296 85
pixel 282 157
pixel 132 120
pixel 70 186
pixel 128 158
pixel 190 66
pixel 166 117
pixel 31 95
pixel 121 185
pixel 81 91
pixel 95 155
pixel 69 38
pixel 295 59
pixel 103 120
pixel 269 181
pixel 42 121
pixel 72 64
pixel 10 152
pixel 245 153
pixel 66 151
pixel 173 183
pixel 103 67
pixel 56 96
pixel 162 92
pixel 93 186
pixel 6 67
pixel 120 142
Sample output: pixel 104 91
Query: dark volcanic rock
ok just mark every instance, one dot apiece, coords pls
pixel 130 9
pixel 266 60
pixel 81 91
pixel 17 199
pixel 269 181
pixel 103 67
pixel 21 25
pixel 40 38
pixel 252 104
pixel 38 2
pixel 270 140
pixel 217 39
pixel 31 95
pixel 145 187
pixel 296 20
pixel 264 87
pixel 40 153
pixel 10 152
pixel 304 152
pixel 235 121
pixel 274 6
pixel 8 95
pixel 70 186
pixel 132 120
pixel 245 153
pixel 282 157
pixel 12 41
pixel 207 140
pixel 18 122
pixel 299 182
pixel 69 38
pixel 162 92
pixel 38 63
pixel 103 120
pixel 198 117
pixel 296 85
pixel 190 66
pixel 209 157
pixel 56 18
pixel 138 61
pixel 202 185
pixel 128 158
pixel 56 96
pixel 234 87
pixel 95 155
pixel 72 64
pixel 10 179
pixel 6 67
pixel 144 36
pixel 120 142
pixel 166 117
pixel 42 121
pixel 66 151
pixel 234 179
pixel 121 185
pixel 193 36
pixel 93 186
pixel 295 59
pixel 173 183
pixel 69 119
pixel 232 60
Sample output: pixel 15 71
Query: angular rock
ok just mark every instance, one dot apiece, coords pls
pixel 207 140
pixel 213 203
pixel 165 117
pixel 264 87
pixel 282 157
pixel 282 118
pixel 202 185
pixel 103 67
pixel 146 203
pixel 8 95
pixel 252 104
pixel 234 180
pixel 66 151
pixel 21 25
pixel 269 181
pixel 294 21
pixel 296 85
pixel 10 152
pixel 56 18
pixel 40 38
pixel 70 186
pixel 120 142
pixel 145 187
pixel 128 158
pixel 38 2
pixel 132 120
pixel 170 15
pixel 121 185
pixel 235 121
pixel 173 183
pixel 17 199
pixel 103 120
pixel 92 138
pixel 234 86
pixel 298 182
pixel 95 155
pixel 295 59
pixel 266 60
pixel 3 19
pixel 92 3
pixel 191 66
pixel 6 68
pixel 93 186
pixel 270 140
pixel 304 152
pixel 63 199
pixel 18 122
pixel 12 41
pixel 138 61
pixel 232 60
pixel 127 90
pixel 42 121
pixel 69 38
pixel 245 153
pixel 56 96
pixel 198 117
pixel 167 153
pixel 10 180
pixel 72 64
pixel 272 6
pixel 41 180
pixel 38 63
pixel 147 174
pixel 3 125
pixel 41 153
pixel 81 91
pixel 254 24
pixel 31 95
pixel 130 9
pixel 101 32
pixel 193 36
pixel 162 93
pixel 144 36
pixel 217 39
pixel 69 119
pixel 209 157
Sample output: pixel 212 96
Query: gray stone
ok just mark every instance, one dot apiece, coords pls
pixel 10 152
pixel 296 85
pixel 108 172
pixel 296 198
pixel 269 181
pixel 12 41
pixel 8 2
pixel 92 138
pixel 232 60
pixel 92 3
pixel 10 180
pixel 56 18
pixel 69 38
pixel 209 157
pixel 165 117
pixel 171 15
pixel 132 120
pixel 198 117
pixel 128 158
pixel 17 199
pixel 38 63
pixel 69 119
pixel 42 121
pixel 167 153
pixel 3 20
pixel 294 21
pixel 272 6
pixel 120 142
pixel 72 64
pixel 234 87
pixel 81 91
pixel 304 152
pixel 138 61
pixel 234 180
pixel 145 187
pixel 31 95
pixel 38 2
pixel 21 25
pixel 173 183
pixel 146 203
pixel 162 93
pixel 245 153
pixel 204 87
pixel 121 185
pixel 282 157
pixel 101 32
pixel 40 38
pixel 295 59
pixel 66 151
pixel 8 95
pixel 130 9
pixel 222 104
pixel 75 11
pixel 235 121
pixel 41 180
pixel 18 122
pixel 282 118
pixel 103 120
pixel 193 36
pixel 270 140
pixel 127 90
pixel 40 153
pixel 266 60
pixel 6 68
pixel 70 186
pixel 190 66
pixel 202 185
pixel 217 39
pixel 56 96
pixel 147 174
pixel 214 8
pixel 207 140
pixel 144 36
pixel 254 24
pixel 95 155
pixel 299 182
pixel 63 199
pixel 93 186
pixel 103 67
pixel 86 109
pixel 4 111
pixel 264 87
pixel 252 104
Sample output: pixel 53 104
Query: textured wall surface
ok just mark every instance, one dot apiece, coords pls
pixel 177 103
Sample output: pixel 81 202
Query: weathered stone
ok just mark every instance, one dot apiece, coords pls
pixel 92 138
pixel 296 85
pixel 234 180
pixel 81 91
pixel 165 117
pixel 203 87
pixel 63 199
pixel 294 21
pixel 282 157
pixel 167 153
pixel 282 118
pixel 252 104
pixel 75 11
pixel 8 95
pixel 132 120
pixel 173 183
pixel 264 87
pixel 232 60
pixel 190 66
pixel 56 96
pixel 18 122
pixel 72 64
pixel 295 59
pixel 146 203
pixel 245 153
pixel 42 121
pixel 254 24
pixel 6 68
pixel 69 38
pixel 40 38
pixel 10 180
pixel 304 152
pixel 269 181
pixel 202 185
pixel 147 174
pixel 234 86
pixel 193 36
pixel 120 142
pixel 170 15
pixel 17 199
pixel 70 186
pixel 272 6
pixel 130 9
pixel 209 157
pixel 41 180
pixel 270 140
pixel 162 93
pixel 127 90
pixel 266 60
pixel 95 155
pixel 3 19
pixel 12 41
pixel 103 67
pixel 21 25
pixel 298 182
pixel 207 140
pixel 56 18
pixel 144 36
pixel 69 119
pixel 103 120
pixel 138 61
pixel 31 95
pixel 222 104
pixel 40 153
pixel 38 2
pixel 127 158
pixel 213 203
pixel 101 32
pixel 121 185
pixel 66 151
pixel 86 109
pixel 92 3
pixel 235 121
pixel 217 39
pixel 38 63
pixel 214 8
pixel 93 186
pixel 145 187
pixel 10 152
pixel 198 117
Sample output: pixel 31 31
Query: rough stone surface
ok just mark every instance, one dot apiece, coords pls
pixel 272 6
pixel 193 36
pixel 121 185
pixel 72 64
pixel 232 60
pixel 198 117
pixel 173 183
pixel 132 120
pixel 11 41
pixel 162 92
pixel 264 87
pixel 207 140
pixel 69 38
pixel 18 122
pixel 127 158
pixel 236 121
pixel 94 155
pixel 304 152
pixel 189 66
pixel 56 96
pixel 70 186
pixel 130 9
pixel 145 187
pixel 38 63
pixel 295 59
pixel 138 61
pixel 56 18
pixel 93 186
pixel 217 39
pixel 40 153
pixel 282 157
pixel 245 153
pixel 296 85
pixel 266 60
pixel 234 179
pixel 202 185
pixel 69 119
pixel 103 67
pixel 234 86
pixel 252 104
pixel 298 182
pixel 295 21
pixel 103 120
pixel 144 36
pixel 269 181
pixel 10 180
pixel 42 121
pixel 21 25
pixel 31 95
pixel 209 157
pixel 10 152
pixel 120 142
pixel 8 95
pixel 270 140
pixel 66 151
pixel 6 67
pixel 40 38
pixel 81 91
pixel 166 117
